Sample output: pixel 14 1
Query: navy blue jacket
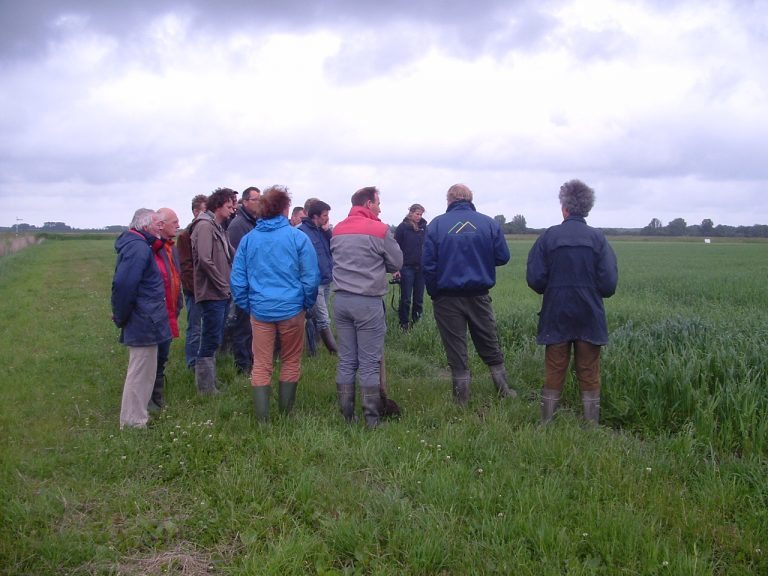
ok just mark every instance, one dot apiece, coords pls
pixel 138 292
pixel 574 267
pixel 411 241
pixel 321 240
pixel 240 225
pixel 461 252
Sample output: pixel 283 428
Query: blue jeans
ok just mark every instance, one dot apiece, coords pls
pixel 212 331
pixel 411 282
pixel 194 321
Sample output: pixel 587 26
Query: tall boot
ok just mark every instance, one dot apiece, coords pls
pixel 286 396
pixel 461 380
pixel 328 340
pixel 370 398
pixel 346 396
pixel 157 400
pixel 261 396
pixel 205 375
pixel 550 400
pixel 590 399
pixel 499 376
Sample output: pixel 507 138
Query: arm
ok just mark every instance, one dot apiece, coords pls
pixel 537 274
pixel 393 256
pixel 607 271
pixel 238 281
pixel 500 247
pixel 203 240
pixel 429 261
pixel 309 270
pixel 128 273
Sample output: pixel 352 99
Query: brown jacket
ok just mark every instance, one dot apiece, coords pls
pixel 212 259
pixel 184 249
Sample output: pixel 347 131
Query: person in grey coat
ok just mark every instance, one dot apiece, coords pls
pixel 574 267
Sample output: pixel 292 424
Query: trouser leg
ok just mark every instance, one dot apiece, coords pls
pixel 140 376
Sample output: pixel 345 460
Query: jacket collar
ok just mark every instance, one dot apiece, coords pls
pixel 461 205
pixel 363 212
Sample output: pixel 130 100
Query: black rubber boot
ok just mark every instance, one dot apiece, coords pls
pixel 550 400
pixel 157 400
pixel 461 380
pixel 499 376
pixel 205 375
pixel 261 396
pixel 286 396
pixel 346 396
pixel 370 398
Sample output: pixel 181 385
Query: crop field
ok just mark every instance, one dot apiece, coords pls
pixel 675 481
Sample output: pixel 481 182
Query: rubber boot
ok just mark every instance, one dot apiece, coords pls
pixel 499 376
pixel 461 380
pixel 205 375
pixel 370 398
pixel 346 396
pixel 157 400
pixel 590 399
pixel 328 340
pixel 261 396
pixel 550 400
pixel 286 396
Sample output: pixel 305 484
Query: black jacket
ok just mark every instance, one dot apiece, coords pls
pixel 411 241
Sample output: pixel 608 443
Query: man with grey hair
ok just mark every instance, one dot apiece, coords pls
pixel 461 252
pixel 138 309
pixel 574 267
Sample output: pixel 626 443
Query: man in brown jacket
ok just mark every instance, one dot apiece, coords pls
pixel 194 312
pixel 212 259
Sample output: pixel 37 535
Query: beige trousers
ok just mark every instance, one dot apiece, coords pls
pixel 142 369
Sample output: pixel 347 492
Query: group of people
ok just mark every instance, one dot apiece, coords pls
pixel 277 269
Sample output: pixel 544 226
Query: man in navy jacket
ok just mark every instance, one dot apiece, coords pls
pixel 461 252
pixel 574 267
pixel 138 309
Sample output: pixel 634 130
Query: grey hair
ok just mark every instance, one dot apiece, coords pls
pixel 458 192
pixel 143 218
pixel 577 198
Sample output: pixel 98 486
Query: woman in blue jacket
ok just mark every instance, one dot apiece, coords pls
pixel 574 267
pixel 275 276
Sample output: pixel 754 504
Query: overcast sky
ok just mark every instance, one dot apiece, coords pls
pixel 660 106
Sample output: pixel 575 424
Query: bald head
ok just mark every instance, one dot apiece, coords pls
pixel 169 223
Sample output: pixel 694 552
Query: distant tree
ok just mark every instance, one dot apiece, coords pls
pixel 677 227
pixel 654 227
pixel 517 225
pixel 56 227
pixel 707 226
pixel 501 219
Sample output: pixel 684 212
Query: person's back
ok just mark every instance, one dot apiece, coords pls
pixel 461 252
pixel 470 244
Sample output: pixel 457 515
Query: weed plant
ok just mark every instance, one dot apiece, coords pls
pixel 675 482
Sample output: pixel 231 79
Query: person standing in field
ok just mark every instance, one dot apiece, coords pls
pixel 138 309
pixel 574 267
pixel 275 277
pixel 410 236
pixel 194 312
pixel 314 225
pixel 461 252
pixel 240 326
pixel 364 250
pixel 212 258
pixel 167 260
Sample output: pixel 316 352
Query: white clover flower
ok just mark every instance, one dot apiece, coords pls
pixel 479 470
pixel 665 563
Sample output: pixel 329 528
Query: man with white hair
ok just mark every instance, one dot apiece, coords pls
pixel 138 309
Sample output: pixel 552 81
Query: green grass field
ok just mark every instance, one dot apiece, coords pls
pixel 675 482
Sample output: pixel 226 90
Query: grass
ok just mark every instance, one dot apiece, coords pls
pixel 676 482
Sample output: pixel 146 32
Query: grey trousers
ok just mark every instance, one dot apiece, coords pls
pixel 360 331
pixel 453 314
pixel 139 381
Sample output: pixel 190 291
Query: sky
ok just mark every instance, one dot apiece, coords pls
pixel 661 106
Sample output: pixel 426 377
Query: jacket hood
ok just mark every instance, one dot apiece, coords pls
pixel 132 235
pixel 271 224
pixel 200 217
